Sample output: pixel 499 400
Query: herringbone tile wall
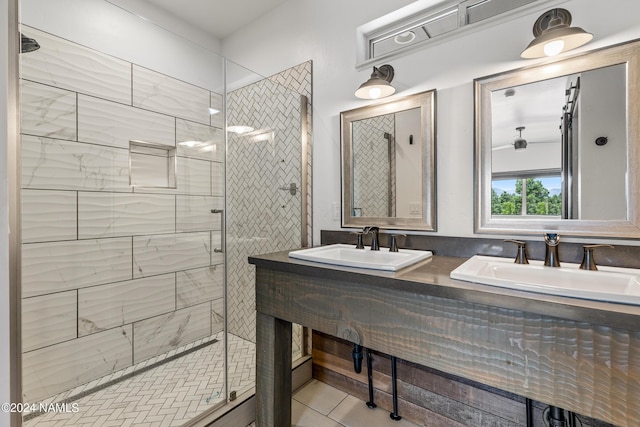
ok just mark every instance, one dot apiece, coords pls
pixel 262 216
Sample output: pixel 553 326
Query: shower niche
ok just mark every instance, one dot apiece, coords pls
pixel 152 165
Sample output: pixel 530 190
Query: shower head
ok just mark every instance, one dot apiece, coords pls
pixel 28 44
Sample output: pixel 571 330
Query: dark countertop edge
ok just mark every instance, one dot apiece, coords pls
pixel 431 277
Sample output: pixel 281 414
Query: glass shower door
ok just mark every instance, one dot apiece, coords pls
pixel 266 142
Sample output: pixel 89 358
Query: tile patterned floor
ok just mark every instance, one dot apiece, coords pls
pixel 320 405
pixel 167 395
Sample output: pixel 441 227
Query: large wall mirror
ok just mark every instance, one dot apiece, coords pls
pixel 388 164
pixel 557 146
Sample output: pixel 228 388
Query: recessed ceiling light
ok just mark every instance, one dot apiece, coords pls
pixel 404 38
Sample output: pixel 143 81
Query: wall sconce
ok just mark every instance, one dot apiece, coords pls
pixel 378 86
pixel 553 35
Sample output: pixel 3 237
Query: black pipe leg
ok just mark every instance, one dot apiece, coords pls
pixel 357 358
pixel 370 403
pixel 556 417
pixel 394 385
pixel 529 410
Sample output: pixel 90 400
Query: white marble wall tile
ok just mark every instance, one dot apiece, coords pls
pixel 64 165
pixel 49 215
pixel 164 253
pixel 60 266
pixel 199 285
pixel 47 111
pixel 216 243
pixel 158 92
pixel 217 315
pixel 48 320
pixel 217 179
pixel 68 65
pixel 192 176
pixel 199 141
pixel 63 366
pixel 166 332
pixel 115 304
pixel 193 213
pixel 124 214
pixel 217 119
pixel 109 123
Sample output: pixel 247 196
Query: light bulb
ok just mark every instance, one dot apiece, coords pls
pixel 375 92
pixel 190 144
pixel 553 47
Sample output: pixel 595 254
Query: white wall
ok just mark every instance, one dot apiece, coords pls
pixel 109 29
pixel 602 171
pixel 325 32
pixel 408 164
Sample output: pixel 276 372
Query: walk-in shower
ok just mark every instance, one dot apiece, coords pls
pixel 138 211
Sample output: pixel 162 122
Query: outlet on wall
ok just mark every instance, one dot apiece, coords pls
pixel 336 211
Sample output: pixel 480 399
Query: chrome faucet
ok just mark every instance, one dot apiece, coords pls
pixel 375 244
pixel 551 240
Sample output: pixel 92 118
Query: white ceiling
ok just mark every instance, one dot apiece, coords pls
pixel 219 18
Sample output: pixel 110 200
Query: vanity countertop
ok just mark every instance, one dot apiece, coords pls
pixel 431 277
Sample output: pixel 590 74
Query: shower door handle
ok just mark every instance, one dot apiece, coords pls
pixel 221 212
pixel 292 189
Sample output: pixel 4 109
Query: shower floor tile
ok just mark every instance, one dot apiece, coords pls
pixel 167 395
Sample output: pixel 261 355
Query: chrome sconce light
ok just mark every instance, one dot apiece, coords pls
pixel 378 86
pixel 554 35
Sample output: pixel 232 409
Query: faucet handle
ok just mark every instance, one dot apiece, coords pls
pixel 360 243
pixel 393 241
pixel 521 255
pixel 587 259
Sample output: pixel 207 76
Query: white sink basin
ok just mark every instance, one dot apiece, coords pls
pixel 612 284
pixel 349 256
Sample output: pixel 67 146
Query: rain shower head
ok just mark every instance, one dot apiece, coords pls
pixel 28 44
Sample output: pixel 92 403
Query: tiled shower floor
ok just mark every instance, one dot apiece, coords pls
pixel 166 395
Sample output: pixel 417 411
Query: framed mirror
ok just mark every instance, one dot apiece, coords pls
pixel 557 146
pixel 388 164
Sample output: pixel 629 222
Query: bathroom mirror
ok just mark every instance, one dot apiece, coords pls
pixel 557 146
pixel 388 164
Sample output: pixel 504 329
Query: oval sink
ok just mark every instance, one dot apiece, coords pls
pixel 349 256
pixel 611 284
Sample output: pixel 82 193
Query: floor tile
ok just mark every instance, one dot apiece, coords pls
pixel 319 396
pixel 352 412
pixel 170 394
pixel 303 416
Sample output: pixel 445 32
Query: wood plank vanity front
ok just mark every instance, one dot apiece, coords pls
pixel 576 354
